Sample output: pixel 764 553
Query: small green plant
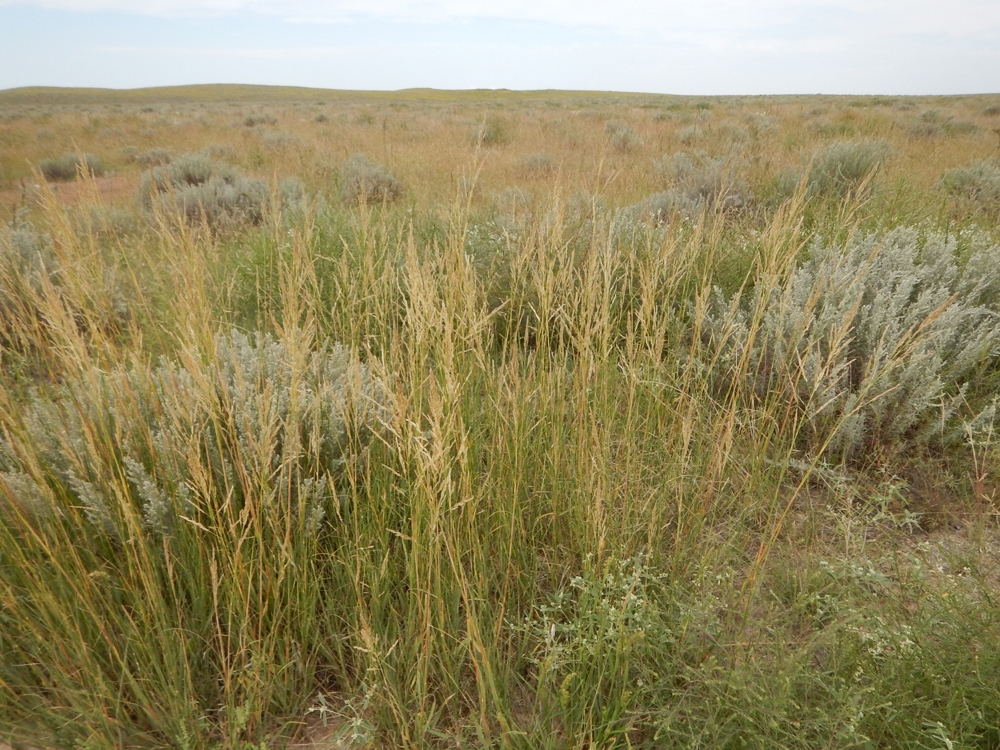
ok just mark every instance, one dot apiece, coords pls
pixel 599 641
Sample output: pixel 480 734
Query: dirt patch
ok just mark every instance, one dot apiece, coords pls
pixel 108 190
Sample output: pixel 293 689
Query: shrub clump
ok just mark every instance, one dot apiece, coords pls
pixel 690 134
pixel 252 121
pixel 660 208
pixel 33 278
pixel 364 181
pixel 493 131
pixel 155 157
pixel 700 179
pixel 70 166
pixel 278 140
pixel 960 127
pixel 875 344
pixel 254 424
pixel 622 136
pixel 978 183
pixel 27 261
pixel 538 164
pixel 198 189
pixel 840 167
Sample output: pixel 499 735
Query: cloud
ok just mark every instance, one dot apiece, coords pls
pixel 238 53
pixel 962 17
pixel 761 27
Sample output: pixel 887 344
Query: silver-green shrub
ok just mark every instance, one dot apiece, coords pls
pixel 874 343
pixel 978 183
pixel 27 264
pixel 703 179
pixel 70 166
pixel 253 120
pixel 196 188
pixel 25 253
pixel 960 128
pixel 661 208
pixel 364 181
pixel 277 140
pixel 260 422
pixel 843 166
pixel 538 164
pixel 622 136
pixel 690 134
pixel 34 276
pixel 155 157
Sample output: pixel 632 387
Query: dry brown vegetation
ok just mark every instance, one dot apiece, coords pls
pixel 429 144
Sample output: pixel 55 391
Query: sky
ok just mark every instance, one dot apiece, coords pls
pixel 701 47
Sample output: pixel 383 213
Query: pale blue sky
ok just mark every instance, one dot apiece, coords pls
pixel 707 47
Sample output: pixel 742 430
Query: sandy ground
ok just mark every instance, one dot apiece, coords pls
pixel 113 189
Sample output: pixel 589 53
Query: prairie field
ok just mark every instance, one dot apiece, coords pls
pixel 498 419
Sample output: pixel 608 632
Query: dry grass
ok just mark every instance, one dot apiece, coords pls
pixel 400 132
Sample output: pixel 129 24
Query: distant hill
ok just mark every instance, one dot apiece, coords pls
pixel 249 93
pixel 253 93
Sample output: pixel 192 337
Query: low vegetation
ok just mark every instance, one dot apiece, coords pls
pixel 367 182
pixel 653 423
pixel 978 183
pixel 70 166
pixel 198 189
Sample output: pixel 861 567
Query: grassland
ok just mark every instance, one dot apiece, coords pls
pixel 498 419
